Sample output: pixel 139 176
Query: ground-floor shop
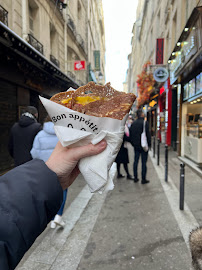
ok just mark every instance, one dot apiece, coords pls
pixel 191 136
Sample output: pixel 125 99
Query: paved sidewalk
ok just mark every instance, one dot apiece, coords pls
pixel 134 226
pixel 193 181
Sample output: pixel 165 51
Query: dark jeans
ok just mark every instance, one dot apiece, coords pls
pixel 60 212
pixel 144 156
pixel 125 165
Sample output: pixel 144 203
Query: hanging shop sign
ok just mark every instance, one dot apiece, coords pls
pixel 159 50
pixel 97 60
pixel 152 103
pixel 161 74
pixel 79 65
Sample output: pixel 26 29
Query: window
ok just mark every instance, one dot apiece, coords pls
pixel 158 22
pixel 31 21
pixel 79 14
pixel 54 45
pixel 174 30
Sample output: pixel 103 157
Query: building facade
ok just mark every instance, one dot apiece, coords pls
pixel 96 42
pixel 45 49
pixel 167 34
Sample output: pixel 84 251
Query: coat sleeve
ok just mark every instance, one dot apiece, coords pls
pixel 10 144
pixel 30 196
pixel 131 135
pixel 148 134
pixel 35 151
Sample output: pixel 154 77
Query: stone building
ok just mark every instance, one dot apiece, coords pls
pixel 168 33
pixel 44 49
pixel 96 42
pixel 156 19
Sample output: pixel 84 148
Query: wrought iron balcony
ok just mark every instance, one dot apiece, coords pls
pixel 3 15
pixel 60 4
pixel 71 24
pixel 71 75
pixel 80 82
pixel 80 41
pixel 54 60
pixel 35 43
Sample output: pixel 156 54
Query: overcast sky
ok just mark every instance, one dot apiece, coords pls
pixel 119 17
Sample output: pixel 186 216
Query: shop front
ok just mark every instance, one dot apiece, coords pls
pixel 186 76
pixel 192 120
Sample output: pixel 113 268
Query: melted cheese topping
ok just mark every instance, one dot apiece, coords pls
pixel 64 101
pixel 86 99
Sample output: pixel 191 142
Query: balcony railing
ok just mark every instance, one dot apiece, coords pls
pixel 3 15
pixel 59 4
pixel 71 24
pixel 35 43
pixel 80 41
pixel 71 75
pixel 54 60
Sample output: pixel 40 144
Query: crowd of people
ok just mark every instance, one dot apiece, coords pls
pixel 34 192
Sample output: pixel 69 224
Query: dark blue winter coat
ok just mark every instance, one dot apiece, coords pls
pixel 21 138
pixel 30 196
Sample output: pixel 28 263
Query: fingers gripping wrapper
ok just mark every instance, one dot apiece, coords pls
pixel 89 114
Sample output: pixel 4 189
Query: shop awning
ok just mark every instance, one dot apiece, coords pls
pixel 18 46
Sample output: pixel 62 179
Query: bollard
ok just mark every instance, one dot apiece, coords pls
pixel 158 151
pixel 166 163
pixel 154 146
pixel 182 165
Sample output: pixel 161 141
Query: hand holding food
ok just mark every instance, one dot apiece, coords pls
pixel 90 114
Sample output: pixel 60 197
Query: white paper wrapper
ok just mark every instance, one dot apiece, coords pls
pixel 75 129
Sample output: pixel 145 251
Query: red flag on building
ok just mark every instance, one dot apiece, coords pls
pixel 79 65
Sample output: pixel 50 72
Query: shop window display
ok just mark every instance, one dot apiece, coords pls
pixel 199 83
pixel 192 87
pixel 193 133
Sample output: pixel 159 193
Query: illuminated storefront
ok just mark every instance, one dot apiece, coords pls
pixel 186 76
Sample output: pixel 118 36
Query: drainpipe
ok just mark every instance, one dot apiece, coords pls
pixel 24 20
pixel 65 12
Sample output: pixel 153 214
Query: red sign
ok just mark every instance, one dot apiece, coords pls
pixel 159 50
pixel 79 65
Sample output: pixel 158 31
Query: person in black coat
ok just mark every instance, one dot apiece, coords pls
pixel 136 130
pixel 22 136
pixel 122 157
pixel 30 196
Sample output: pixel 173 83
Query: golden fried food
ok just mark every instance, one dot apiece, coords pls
pixel 97 100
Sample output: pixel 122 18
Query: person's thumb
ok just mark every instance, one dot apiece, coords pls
pixel 89 150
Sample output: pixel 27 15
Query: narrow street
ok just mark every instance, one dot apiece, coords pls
pixel 89 83
pixel 132 227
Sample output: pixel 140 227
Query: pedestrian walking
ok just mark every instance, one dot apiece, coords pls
pixel 22 135
pixel 129 121
pixel 43 146
pixel 122 157
pixel 136 131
